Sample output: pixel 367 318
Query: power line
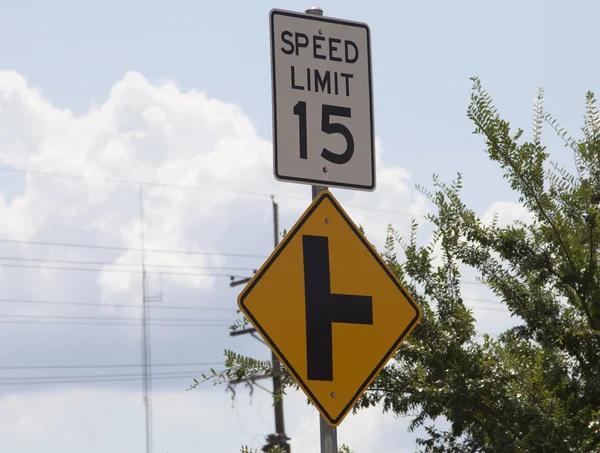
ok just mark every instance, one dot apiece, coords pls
pixel 467 282
pixel 100 304
pixel 110 324
pixel 106 263
pixel 127 249
pixel 109 318
pixel 183 320
pixel 485 301
pixel 90 376
pixel 118 271
pixel 85 381
pixel 142 183
pixel 120 365
pixel 499 310
pixel 188 187
pixel 173 307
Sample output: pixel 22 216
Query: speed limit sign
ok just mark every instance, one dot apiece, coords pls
pixel 323 131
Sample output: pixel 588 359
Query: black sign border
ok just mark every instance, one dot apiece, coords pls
pixel 278 12
pixel 288 237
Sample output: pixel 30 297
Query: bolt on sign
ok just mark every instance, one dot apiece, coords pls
pixel 329 308
pixel 323 131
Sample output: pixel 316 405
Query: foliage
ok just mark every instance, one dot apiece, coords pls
pixel 274 449
pixel 536 386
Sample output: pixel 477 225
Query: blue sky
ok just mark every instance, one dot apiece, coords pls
pixel 423 54
pixel 78 54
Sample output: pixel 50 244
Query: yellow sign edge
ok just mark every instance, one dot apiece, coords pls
pixel 271 259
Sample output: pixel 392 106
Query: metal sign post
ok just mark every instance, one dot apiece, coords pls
pixel 328 437
pixel 328 433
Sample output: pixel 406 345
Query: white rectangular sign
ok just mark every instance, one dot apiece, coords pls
pixel 323 131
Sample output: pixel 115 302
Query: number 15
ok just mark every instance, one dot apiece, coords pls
pixel 329 128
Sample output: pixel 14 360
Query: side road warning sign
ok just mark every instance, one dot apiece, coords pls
pixel 329 308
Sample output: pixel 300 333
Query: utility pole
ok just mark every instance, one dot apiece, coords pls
pixel 328 433
pixel 146 361
pixel 279 438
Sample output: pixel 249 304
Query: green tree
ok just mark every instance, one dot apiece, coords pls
pixel 536 387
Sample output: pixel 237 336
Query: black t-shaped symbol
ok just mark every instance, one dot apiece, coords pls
pixel 324 308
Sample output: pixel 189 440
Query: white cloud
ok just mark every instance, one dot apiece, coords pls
pixel 507 212
pixel 21 224
pixel 158 134
pixel 79 419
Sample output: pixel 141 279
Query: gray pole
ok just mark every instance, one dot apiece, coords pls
pixel 315 10
pixel 328 433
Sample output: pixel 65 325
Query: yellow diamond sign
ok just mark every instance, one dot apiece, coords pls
pixel 329 308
